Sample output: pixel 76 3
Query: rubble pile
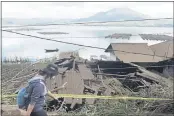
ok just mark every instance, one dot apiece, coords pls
pixel 106 78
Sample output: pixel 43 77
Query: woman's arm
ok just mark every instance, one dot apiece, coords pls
pixel 30 109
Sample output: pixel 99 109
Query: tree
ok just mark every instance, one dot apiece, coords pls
pixel 21 60
pixel 16 59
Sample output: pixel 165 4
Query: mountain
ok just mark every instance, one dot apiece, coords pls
pixel 115 14
pixel 120 14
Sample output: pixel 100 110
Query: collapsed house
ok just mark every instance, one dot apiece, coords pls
pixel 108 78
pixel 165 67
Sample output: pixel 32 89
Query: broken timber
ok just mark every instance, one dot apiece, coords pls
pixel 148 74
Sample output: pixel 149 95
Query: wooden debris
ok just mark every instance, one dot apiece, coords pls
pixel 85 72
pixel 149 75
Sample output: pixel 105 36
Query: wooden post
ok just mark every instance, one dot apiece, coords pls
pixel 101 77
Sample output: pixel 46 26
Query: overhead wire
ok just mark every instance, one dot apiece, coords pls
pixel 90 22
pixel 81 44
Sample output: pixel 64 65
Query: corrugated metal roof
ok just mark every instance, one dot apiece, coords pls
pixel 135 48
pixel 163 49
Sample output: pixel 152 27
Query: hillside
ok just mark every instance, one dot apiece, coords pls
pixel 115 14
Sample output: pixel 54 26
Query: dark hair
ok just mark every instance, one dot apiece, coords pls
pixel 42 73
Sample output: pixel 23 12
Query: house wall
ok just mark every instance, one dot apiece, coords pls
pixel 112 56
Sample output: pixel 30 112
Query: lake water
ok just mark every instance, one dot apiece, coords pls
pixel 16 45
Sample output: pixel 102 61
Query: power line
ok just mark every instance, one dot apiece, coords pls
pixel 89 22
pixel 81 44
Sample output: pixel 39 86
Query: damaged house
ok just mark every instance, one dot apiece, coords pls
pixel 164 49
pixel 165 67
pixel 85 77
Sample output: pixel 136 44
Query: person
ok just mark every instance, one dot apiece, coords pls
pixel 37 91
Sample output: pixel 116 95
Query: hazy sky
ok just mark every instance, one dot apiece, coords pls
pixel 64 10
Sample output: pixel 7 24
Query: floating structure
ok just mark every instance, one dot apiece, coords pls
pixel 52 33
pixel 156 37
pixel 119 35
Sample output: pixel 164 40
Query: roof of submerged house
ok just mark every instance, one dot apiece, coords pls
pixel 133 52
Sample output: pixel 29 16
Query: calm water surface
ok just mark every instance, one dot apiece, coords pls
pixel 13 44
